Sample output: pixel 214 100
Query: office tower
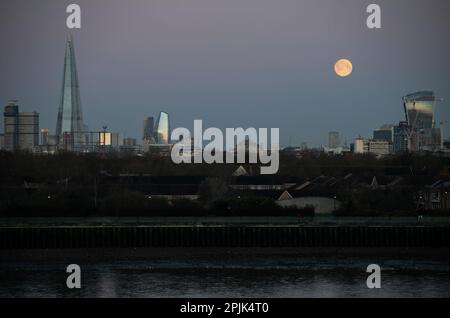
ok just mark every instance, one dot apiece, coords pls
pixel 401 137
pixel 104 138
pixel 28 130
pixel 384 133
pixel 149 123
pixel 69 126
pixel 419 113
pixel 21 129
pixel 116 140
pixel 419 109
pixel 162 129
pixel 375 147
pixel 11 126
pixel 361 145
pixel 45 136
pixel 380 147
pixel 333 139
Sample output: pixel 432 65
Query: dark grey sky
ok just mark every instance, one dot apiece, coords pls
pixel 261 63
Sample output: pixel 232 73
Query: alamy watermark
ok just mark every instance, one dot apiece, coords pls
pixel 232 147
pixel 74 279
pixel 374 279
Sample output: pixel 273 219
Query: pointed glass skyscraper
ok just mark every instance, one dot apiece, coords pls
pixel 162 129
pixel 69 126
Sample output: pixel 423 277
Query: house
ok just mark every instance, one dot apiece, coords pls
pixel 437 195
pixel 321 204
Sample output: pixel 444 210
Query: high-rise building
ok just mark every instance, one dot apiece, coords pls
pixel 45 136
pixel 162 129
pixel 11 126
pixel 419 113
pixel 116 140
pixel 401 137
pixel 384 133
pixel 333 139
pixel 28 130
pixel 69 126
pixel 419 109
pixel 21 129
pixel 149 123
pixel 104 138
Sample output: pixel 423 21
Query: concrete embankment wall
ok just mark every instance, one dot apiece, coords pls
pixel 221 236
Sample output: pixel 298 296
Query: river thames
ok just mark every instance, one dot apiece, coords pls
pixel 228 273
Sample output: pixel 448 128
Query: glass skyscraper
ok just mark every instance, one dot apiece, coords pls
pixel 419 109
pixel 419 112
pixel 69 126
pixel 162 129
pixel 11 126
pixel 148 128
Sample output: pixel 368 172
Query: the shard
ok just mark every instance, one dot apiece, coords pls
pixel 69 126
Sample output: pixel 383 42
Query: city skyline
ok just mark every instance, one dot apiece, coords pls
pixel 121 85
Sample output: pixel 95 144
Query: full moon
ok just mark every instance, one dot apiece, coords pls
pixel 343 67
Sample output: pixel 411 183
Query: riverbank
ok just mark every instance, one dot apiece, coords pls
pixel 223 235
pixel 142 254
pixel 216 220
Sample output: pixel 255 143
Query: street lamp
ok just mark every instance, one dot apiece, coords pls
pixel 445 199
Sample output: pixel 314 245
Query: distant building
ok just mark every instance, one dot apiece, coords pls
pixel 11 126
pixel 376 147
pixel 361 145
pixel 162 150
pixel 131 146
pixel 104 138
pixel 385 133
pixel 304 145
pixel 2 141
pixel 446 144
pixel 162 129
pixel 45 136
pixel 21 129
pixel 129 142
pixel 116 140
pixel 380 147
pixel 148 134
pixel 48 142
pixel 400 137
pixel 333 151
pixel 28 130
pixel 69 126
pixel 419 113
pixel 333 139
